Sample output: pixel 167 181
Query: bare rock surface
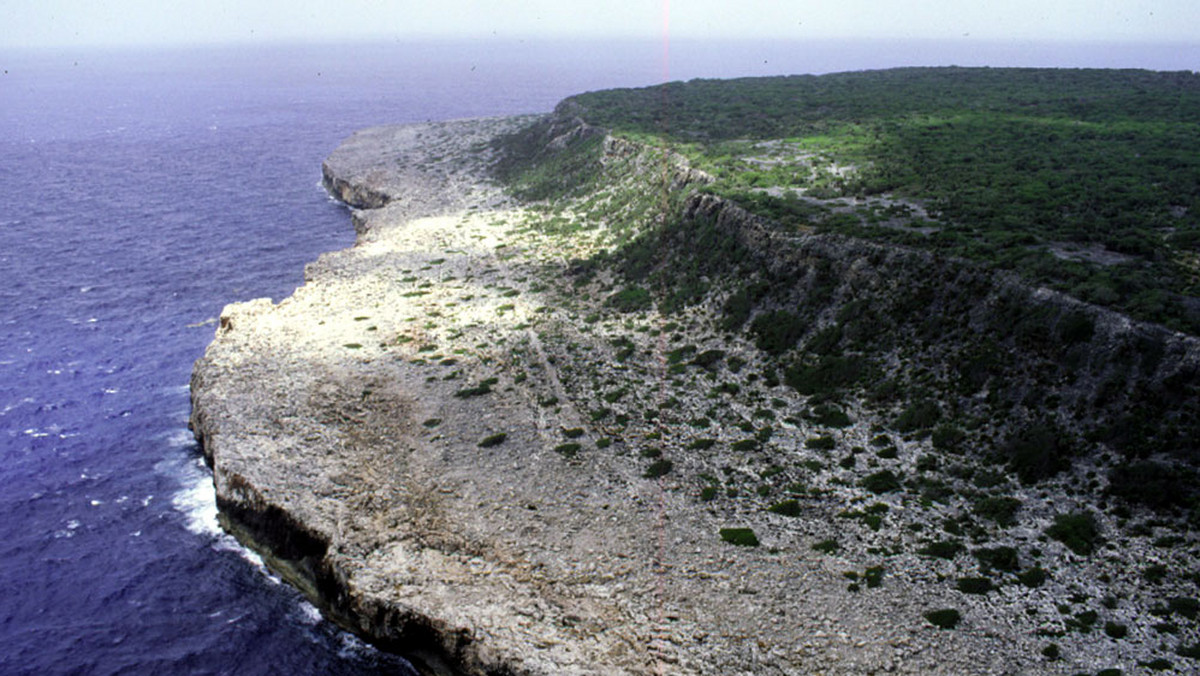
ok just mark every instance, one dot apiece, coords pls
pixel 397 438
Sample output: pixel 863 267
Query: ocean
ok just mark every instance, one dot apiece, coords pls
pixel 140 192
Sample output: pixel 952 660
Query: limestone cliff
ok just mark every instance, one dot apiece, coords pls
pixel 469 440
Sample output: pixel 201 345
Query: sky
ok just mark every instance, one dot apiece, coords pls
pixel 84 23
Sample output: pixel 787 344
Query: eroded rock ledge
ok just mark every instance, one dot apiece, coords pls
pixel 400 440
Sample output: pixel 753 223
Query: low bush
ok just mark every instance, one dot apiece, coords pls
pixel 777 332
pixel 1038 452
pixel 827 546
pixel 1154 484
pixel 828 415
pixel 630 299
pixel 1034 577
pixel 974 585
pixel 569 450
pixel 786 508
pixel 998 558
pixel 658 468
pixel 493 440
pixel 484 387
pixel 743 537
pixel 942 549
pixel 884 481
pixel 1001 509
pixel 1077 530
pixel 873 576
pixel 921 414
pixel 944 618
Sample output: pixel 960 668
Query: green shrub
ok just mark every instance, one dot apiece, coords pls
pixel 820 443
pixel 709 493
pixel 1185 606
pixel 1038 452
pixel 1001 509
pixel 974 585
pixel 432 422
pixel 884 481
pixel 709 359
pixel 1034 577
pixel 889 453
pixel 745 445
pixel 948 438
pixel 569 450
pixel 921 414
pixel 1154 573
pixel 630 299
pixel 1052 652
pixel 827 415
pixel 873 576
pixel 493 440
pixel 827 546
pixel 743 537
pixel 573 433
pixel 484 387
pixel 827 375
pixel 1192 651
pixel 702 444
pixel 658 468
pixel 1000 558
pixel 786 508
pixel 927 463
pixel 777 332
pixel 1078 531
pixel 1115 630
pixel 945 618
pixel 1076 328
pixel 1154 484
pixel 942 549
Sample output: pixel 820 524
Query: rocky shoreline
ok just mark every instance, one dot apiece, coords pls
pixel 403 439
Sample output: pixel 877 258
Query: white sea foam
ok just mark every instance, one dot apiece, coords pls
pixel 197 499
pixel 309 614
pixel 181 438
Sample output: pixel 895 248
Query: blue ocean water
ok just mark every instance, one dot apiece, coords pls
pixel 141 191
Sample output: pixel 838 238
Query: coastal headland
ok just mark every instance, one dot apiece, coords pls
pixel 470 440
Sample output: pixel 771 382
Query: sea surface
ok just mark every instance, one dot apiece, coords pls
pixel 140 192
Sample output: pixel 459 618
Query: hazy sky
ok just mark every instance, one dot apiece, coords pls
pixel 154 22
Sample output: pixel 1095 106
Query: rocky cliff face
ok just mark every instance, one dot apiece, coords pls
pixel 1101 370
pixel 469 439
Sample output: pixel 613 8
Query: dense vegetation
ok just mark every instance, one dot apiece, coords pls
pixel 1088 181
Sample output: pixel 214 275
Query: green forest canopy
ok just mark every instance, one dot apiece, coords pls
pixel 1012 165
